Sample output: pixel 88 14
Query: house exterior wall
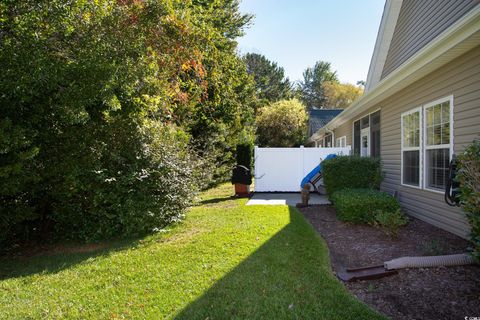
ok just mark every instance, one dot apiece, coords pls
pixel 460 78
pixel 344 130
pixel 419 22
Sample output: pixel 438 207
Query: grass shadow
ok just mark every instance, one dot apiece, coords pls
pixel 52 261
pixel 289 276
pixel 216 200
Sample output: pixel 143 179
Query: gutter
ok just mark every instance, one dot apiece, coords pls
pixel 321 132
pixel 458 39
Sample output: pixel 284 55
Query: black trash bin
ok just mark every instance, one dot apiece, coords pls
pixel 242 179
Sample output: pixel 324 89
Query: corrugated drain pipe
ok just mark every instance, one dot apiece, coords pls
pixel 430 261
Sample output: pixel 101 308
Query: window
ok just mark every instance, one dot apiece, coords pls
pixel 437 144
pixel 427 141
pixel 356 138
pixel 341 142
pixel 366 135
pixel 365 122
pixel 411 136
pixel 375 134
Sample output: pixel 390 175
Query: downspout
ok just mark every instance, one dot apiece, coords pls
pixel 333 136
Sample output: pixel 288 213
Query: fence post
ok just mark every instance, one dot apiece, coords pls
pixel 303 163
pixel 255 157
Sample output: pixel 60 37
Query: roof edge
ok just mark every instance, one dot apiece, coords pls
pixel 386 30
pixel 459 38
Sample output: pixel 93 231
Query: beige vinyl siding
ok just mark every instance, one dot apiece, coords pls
pixel 419 22
pixel 460 78
pixel 344 130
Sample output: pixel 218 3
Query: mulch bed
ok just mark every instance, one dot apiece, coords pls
pixel 425 293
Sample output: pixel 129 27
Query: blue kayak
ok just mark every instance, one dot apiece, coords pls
pixel 315 171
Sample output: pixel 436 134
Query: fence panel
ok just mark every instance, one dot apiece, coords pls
pixel 282 169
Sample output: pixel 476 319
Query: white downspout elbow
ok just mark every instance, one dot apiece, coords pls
pixel 333 135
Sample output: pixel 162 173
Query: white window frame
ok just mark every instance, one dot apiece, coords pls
pixel 419 148
pixel 423 143
pixel 448 146
pixel 341 142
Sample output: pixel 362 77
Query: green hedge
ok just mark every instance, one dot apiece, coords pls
pixel 469 178
pixel 362 205
pixel 244 154
pixel 350 172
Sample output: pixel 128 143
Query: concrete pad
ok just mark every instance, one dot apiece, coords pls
pixel 291 199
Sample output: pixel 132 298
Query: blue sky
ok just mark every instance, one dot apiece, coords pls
pixel 297 33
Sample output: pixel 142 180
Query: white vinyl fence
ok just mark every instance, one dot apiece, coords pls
pixel 282 169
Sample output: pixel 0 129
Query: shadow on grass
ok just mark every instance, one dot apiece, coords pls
pixel 216 200
pixel 52 261
pixel 289 276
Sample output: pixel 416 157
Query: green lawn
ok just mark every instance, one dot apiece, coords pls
pixel 225 261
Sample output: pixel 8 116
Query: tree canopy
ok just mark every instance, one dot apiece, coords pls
pixel 340 95
pixel 282 124
pixel 311 87
pixel 112 111
pixel 270 82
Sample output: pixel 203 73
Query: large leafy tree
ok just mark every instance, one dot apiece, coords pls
pixel 270 82
pixel 101 104
pixel 225 113
pixel 340 95
pixel 311 87
pixel 282 124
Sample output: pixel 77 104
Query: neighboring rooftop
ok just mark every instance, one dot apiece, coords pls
pixel 318 118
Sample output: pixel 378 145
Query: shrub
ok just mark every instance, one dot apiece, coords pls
pixel 469 178
pixel 244 155
pixel 362 205
pixel 244 159
pixel 124 197
pixel 351 172
pixel 390 221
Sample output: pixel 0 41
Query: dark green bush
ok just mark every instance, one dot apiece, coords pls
pixel 362 205
pixel 390 221
pixel 125 197
pixel 469 178
pixel 244 159
pixel 244 155
pixel 351 172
